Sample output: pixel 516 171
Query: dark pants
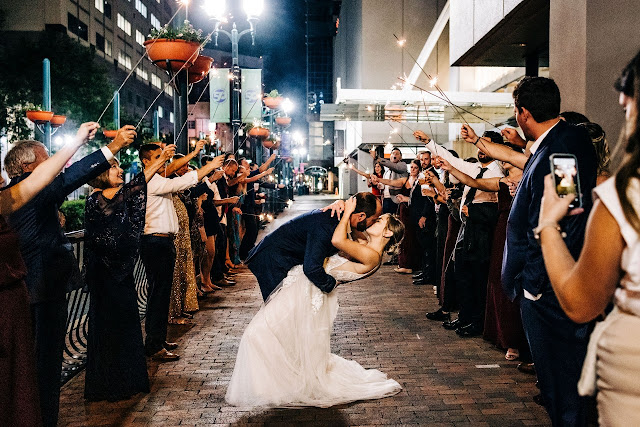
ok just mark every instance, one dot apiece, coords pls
pixel 441 238
pixel 159 257
pixel 471 275
pixel 49 319
pixel 219 267
pixel 427 242
pixel 558 347
pixel 388 206
pixel 250 235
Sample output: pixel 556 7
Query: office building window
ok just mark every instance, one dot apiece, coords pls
pixel 100 42
pixel 77 27
pixel 124 25
pixel 108 47
pixel 160 112
pixel 107 9
pixel 124 60
pixel 99 5
pixel 155 80
pixel 171 117
pixel 140 38
pixel 191 124
pixel 155 22
pixel 144 75
pixel 140 7
pixel 168 90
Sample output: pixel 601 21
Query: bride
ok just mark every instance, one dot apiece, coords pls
pixel 284 358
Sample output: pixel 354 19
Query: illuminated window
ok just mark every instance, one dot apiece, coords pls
pixel 155 80
pixel 99 5
pixel 171 117
pixel 140 38
pixel 124 60
pixel 140 7
pixel 144 75
pixel 155 21
pixel 124 25
pixel 160 112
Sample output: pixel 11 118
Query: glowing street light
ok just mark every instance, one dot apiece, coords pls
pixel 253 8
pixel 287 106
pixel 215 8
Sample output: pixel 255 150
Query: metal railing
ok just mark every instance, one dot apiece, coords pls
pixel 75 348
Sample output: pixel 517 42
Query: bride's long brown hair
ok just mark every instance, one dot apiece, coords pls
pixel 629 84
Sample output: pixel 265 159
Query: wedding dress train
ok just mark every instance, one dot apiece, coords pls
pixel 284 358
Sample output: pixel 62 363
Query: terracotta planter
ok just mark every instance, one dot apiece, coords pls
pixel 58 120
pixel 273 103
pixel 177 52
pixel 110 133
pixel 268 144
pixel 39 116
pixel 259 132
pixel 199 69
pixel 283 121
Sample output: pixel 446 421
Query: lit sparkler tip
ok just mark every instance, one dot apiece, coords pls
pixel 402 42
pixel 369 108
pixel 433 81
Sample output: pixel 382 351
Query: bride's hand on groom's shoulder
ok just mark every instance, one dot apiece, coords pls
pixel 349 205
pixel 336 208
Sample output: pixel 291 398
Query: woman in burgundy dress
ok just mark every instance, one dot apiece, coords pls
pixel 19 396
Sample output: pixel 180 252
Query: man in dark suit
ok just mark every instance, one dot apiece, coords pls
pixel 306 240
pixel 558 345
pixel 49 255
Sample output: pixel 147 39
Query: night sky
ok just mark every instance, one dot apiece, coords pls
pixel 280 39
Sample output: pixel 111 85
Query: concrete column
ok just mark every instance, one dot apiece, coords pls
pixel 589 44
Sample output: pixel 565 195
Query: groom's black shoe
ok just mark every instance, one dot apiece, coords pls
pixel 418 276
pixel 471 330
pixel 170 345
pixel 439 315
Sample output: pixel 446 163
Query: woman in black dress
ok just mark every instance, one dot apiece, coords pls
pixel 114 220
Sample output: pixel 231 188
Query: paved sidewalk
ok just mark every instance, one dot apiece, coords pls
pixel 381 324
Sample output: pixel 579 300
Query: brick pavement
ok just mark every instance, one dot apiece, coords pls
pixel 380 324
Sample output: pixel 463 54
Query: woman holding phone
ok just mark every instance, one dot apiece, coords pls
pixel 606 271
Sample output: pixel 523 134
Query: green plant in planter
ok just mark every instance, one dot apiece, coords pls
pixel 73 211
pixel 184 32
pixel 274 94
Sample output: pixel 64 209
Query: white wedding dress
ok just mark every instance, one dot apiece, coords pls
pixel 285 359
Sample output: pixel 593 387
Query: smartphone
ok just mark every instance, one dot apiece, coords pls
pixel 564 168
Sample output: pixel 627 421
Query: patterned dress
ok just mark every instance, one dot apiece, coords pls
pixel 116 364
pixel 184 290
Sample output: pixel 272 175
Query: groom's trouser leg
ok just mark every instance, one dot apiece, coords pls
pixel 219 267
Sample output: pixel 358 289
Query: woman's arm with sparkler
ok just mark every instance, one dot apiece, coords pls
pixel 178 163
pixel 460 164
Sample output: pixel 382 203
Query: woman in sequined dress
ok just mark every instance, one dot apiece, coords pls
pixel 114 220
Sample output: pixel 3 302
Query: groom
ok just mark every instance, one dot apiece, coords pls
pixel 306 240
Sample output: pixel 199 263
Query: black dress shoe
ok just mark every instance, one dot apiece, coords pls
pixel 471 330
pixel 170 345
pixel 419 275
pixel 452 324
pixel 439 315
pixel 527 368
pixel 420 282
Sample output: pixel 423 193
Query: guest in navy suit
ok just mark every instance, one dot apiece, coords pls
pixel 306 240
pixel 48 255
pixel 558 345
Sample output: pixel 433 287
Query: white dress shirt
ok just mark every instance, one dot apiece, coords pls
pixel 214 187
pixel 536 144
pixel 161 216
pixel 471 169
pixel 107 153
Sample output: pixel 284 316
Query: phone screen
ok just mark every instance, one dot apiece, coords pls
pixel 565 174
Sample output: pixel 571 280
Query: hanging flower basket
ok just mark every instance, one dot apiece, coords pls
pixel 268 144
pixel 199 69
pixel 283 121
pixel 273 102
pixel 58 120
pixel 39 116
pixel 176 52
pixel 110 133
pixel 259 132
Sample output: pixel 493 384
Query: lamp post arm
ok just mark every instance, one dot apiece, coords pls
pixel 217 30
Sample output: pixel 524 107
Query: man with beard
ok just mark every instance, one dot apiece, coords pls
pixel 478 212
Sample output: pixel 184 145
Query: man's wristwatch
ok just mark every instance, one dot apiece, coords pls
pixel 541 226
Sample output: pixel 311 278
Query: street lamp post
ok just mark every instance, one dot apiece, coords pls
pixel 253 9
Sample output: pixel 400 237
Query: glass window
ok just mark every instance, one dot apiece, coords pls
pixel 144 75
pixel 99 5
pixel 100 42
pixel 140 7
pixel 155 80
pixel 108 47
pixel 107 9
pixel 124 25
pixel 140 38
pixel 171 117
pixel 77 27
pixel 168 90
pixel 155 22
pixel 160 111
pixel 124 60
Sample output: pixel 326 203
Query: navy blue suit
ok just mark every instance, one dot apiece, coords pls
pixel 558 345
pixel 51 264
pixel 304 240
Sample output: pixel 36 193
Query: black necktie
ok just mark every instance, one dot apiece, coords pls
pixel 472 191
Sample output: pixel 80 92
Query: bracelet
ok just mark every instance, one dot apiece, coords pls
pixel 476 143
pixel 543 225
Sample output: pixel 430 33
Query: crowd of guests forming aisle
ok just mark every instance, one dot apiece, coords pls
pixel 552 284
pixel 191 227
pixel 517 264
